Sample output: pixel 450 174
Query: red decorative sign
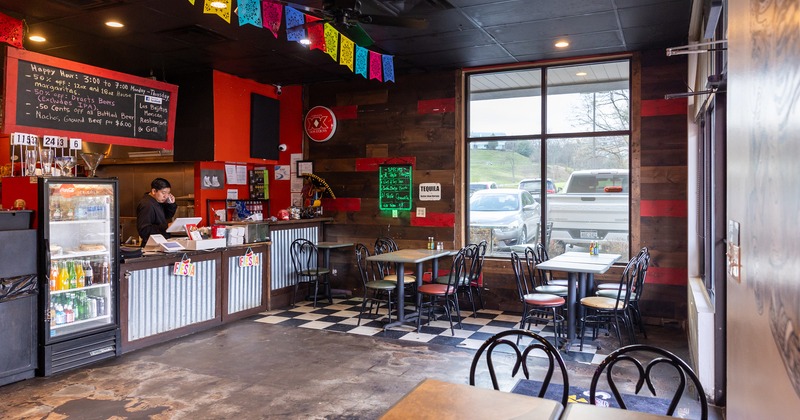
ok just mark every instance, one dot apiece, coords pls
pixel 320 124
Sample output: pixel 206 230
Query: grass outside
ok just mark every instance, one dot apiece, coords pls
pixel 506 168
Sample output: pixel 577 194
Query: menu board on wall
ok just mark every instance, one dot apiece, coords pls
pixel 47 95
pixel 395 187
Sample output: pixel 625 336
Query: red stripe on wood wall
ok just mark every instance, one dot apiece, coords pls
pixel 667 275
pixel 663 208
pixel 436 106
pixel 657 107
pixel 349 112
pixel 371 164
pixel 434 219
pixel 341 204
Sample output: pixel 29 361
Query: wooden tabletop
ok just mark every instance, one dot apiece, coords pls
pixel 330 245
pixel 593 412
pixel 410 256
pixel 433 399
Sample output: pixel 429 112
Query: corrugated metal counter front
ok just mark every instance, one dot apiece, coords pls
pixel 157 305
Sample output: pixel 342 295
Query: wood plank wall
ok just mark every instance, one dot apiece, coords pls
pixel 414 120
pixel 410 121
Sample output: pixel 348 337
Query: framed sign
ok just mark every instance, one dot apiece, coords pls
pixel 305 167
pixel 394 191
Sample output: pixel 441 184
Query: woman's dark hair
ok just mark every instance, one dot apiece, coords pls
pixel 159 184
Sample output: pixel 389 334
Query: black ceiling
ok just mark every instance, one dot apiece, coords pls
pixel 169 37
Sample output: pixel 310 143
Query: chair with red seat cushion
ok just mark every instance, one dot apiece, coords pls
pixel 443 294
pixel 536 307
pixel 375 290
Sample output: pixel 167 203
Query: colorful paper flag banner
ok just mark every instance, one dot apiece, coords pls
pixel 250 13
pixel 375 65
pixel 346 52
pixel 332 41
pixel 11 31
pixel 361 61
pixel 294 19
pixel 223 12
pixel 316 33
pixel 271 16
pixel 388 68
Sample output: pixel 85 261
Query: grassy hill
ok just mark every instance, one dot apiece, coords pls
pixel 506 168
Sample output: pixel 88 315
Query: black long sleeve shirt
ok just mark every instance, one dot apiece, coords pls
pixel 153 217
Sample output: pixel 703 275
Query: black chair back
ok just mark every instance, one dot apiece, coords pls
pixel 458 270
pixel 626 282
pixel 305 259
pixel 533 257
pixel 510 340
pixel 366 269
pixel 519 276
pixel 383 245
pixel 641 272
pixel 633 356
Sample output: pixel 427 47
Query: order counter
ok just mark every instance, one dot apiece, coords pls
pixel 158 304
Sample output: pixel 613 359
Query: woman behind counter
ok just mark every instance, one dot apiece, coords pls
pixel 155 210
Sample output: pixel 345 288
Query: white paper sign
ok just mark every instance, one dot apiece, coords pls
pixel 282 172
pixel 233 194
pixel 430 191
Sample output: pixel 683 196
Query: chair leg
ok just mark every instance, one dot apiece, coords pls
pixel 458 313
pixel 480 295
pixel 389 306
pixel 316 290
pixel 363 307
pixel 294 296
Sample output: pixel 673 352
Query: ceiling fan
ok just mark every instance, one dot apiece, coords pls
pixel 347 16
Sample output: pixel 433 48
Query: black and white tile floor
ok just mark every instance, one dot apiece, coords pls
pixel 342 316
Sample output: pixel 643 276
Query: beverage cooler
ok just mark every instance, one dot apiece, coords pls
pixel 78 221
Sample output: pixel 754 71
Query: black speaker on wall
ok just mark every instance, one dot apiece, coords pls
pixel 265 119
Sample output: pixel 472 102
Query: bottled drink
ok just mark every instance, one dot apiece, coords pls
pixel 88 274
pixel 70 314
pixel 63 277
pixel 61 316
pixel 79 276
pixel 106 274
pixel 57 213
pixel 91 306
pixel 101 306
pixel 73 280
pixel 53 276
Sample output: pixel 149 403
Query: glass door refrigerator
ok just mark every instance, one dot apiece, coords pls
pixel 79 243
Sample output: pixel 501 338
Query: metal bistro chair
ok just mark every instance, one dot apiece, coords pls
pixel 631 357
pixel 611 289
pixel 305 261
pixel 536 307
pixel 472 261
pixel 444 295
pixel 610 311
pixel 540 254
pixel 540 279
pixel 511 339
pixel 375 290
pixel 476 271
pixel 383 245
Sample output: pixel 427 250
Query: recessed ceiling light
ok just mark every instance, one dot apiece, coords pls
pixel 581 73
pixel 562 44
pixel 218 5
pixel 114 24
pixel 37 38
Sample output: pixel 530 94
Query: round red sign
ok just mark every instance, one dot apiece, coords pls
pixel 320 124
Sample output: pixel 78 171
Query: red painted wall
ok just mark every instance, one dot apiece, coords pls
pixel 232 138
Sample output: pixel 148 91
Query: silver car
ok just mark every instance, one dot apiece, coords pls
pixel 512 215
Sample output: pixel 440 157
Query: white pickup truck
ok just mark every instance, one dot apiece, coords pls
pixel 592 207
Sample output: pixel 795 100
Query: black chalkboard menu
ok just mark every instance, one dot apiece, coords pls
pixel 394 191
pixel 47 95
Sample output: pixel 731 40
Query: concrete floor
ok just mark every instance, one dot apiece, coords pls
pixel 251 370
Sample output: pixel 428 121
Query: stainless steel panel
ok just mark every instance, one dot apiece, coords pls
pixel 281 269
pixel 160 301
pixel 245 284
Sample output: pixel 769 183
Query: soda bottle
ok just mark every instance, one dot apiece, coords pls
pixel 79 276
pixel 70 314
pixel 88 274
pixel 106 273
pixel 53 276
pixel 61 317
pixel 63 277
pixel 73 280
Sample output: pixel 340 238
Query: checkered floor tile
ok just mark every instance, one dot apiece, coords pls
pixel 342 316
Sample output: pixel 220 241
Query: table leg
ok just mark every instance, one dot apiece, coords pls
pixel 571 307
pixel 401 289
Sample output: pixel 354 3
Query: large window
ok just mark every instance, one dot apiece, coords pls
pixel 553 141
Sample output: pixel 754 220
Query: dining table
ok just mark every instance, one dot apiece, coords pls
pixel 326 247
pixel 435 399
pixel 596 412
pixel 580 268
pixel 409 256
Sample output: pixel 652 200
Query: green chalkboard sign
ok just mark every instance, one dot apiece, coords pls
pixel 395 187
